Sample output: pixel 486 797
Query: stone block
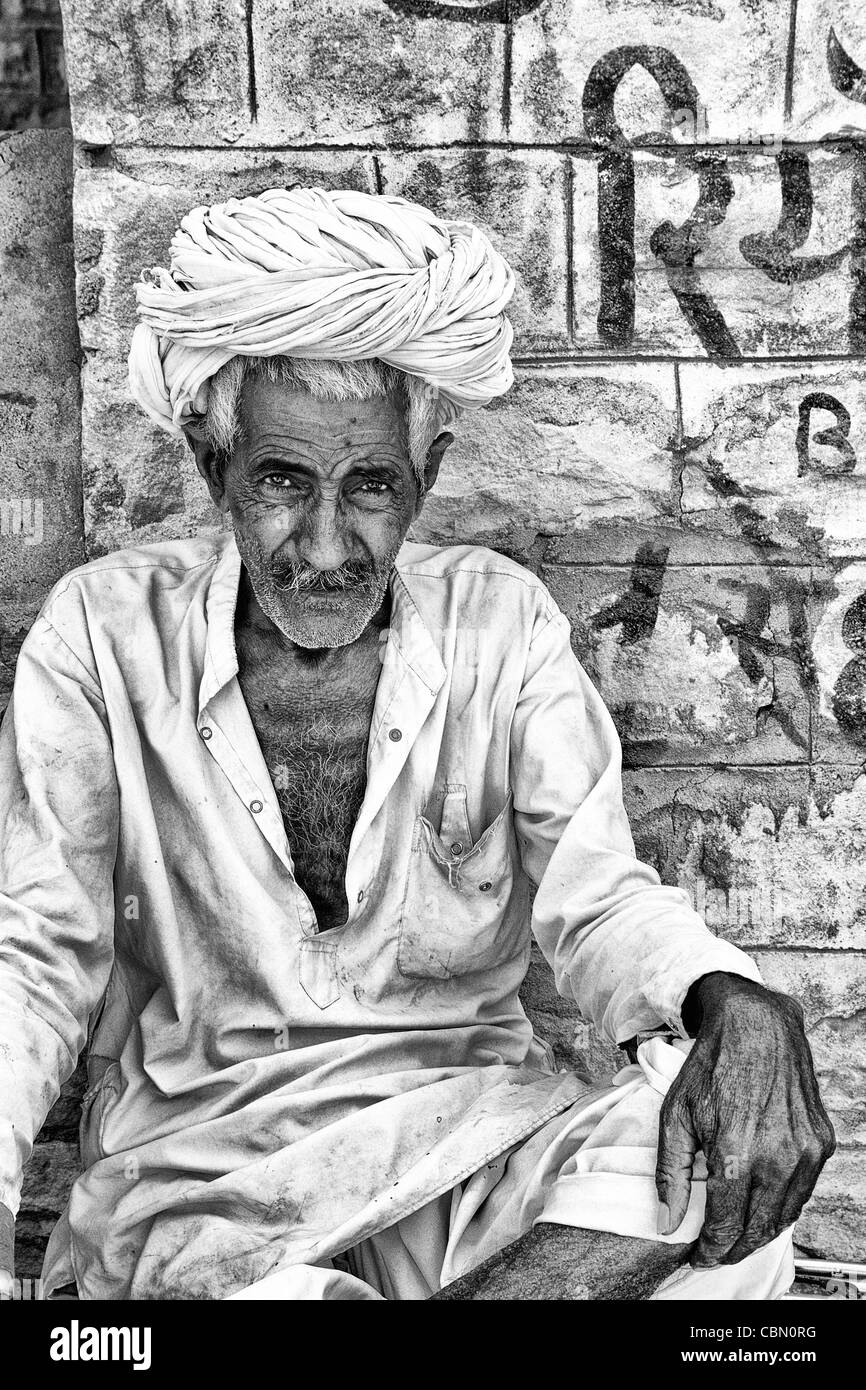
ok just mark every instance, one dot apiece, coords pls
pixel 831 991
pixel 607 543
pixel 775 454
pixel 770 857
pixel 736 281
pixel 568 450
pixel 17 615
pixel 829 71
pixel 730 57
pixel 576 1044
pixel 155 72
pixel 210 176
pixel 519 200
pixel 40 487
pixel 32 75
pixel 375 72
pixel 833 1224
pixel 839 654
pixel 140 484
pixel 42 13
pixel 19 63
pixel 696 664
pixel 64 1116
pixel 53 1167
pixel 32 1232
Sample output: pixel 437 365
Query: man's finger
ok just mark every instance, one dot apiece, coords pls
pixel 800 1188
pixel 764 1217
pixel 726 1214
pixel 678 1145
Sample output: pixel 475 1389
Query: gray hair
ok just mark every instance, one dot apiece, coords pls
pixel 366 379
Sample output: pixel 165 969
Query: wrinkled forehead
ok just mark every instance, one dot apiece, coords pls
pixel 274 412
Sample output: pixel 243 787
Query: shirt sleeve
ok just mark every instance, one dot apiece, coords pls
pixel 58 842
pixel 623 946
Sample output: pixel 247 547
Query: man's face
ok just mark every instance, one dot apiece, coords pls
pixel 322 494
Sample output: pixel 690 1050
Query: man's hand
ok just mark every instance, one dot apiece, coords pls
pixel 747 1096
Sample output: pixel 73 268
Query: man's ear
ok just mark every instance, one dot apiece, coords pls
pixel 435 455
pixel 207 462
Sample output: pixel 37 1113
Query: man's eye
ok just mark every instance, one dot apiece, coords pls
pixel 279 480
pixel 374 487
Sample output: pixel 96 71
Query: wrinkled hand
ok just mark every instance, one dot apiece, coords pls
pixel 747 1096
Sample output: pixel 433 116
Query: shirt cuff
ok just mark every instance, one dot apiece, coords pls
pixel 622 1204
pixel 716 955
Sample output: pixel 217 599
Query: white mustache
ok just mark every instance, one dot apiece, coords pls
pixel 300 578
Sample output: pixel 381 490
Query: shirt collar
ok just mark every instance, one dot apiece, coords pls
pixel 408 631
pixel 221 658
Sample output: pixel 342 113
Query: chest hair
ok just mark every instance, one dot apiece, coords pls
pixel 313 725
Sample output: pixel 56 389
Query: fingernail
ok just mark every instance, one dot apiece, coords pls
pixel 663 1224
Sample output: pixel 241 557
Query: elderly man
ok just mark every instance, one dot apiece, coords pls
pixel 272 806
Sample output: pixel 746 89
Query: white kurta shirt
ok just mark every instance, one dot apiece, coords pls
pixel 262 1091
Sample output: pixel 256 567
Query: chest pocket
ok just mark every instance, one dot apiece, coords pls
pixel 456 893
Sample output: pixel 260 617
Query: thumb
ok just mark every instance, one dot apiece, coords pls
pixel 678 1145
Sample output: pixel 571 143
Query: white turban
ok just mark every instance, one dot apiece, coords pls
pixel 340 276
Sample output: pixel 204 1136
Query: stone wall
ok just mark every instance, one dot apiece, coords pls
pixel 681 188
pixel 41 520
pixel 32 71
pixel 41 516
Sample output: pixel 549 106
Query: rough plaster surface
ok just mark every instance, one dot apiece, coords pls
pixel 683 455
pixel 32 73
pixel 733 53
pixel 769 301
pixel 40 464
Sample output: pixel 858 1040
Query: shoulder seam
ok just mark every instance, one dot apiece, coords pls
pixel 96 688
pixel 448 574
pixel 148 565
pixel 550 617
pixel 113 569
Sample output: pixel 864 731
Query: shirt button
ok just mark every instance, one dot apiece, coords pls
pixel 255 807
pixel 361 896
pixel 484 887
pixel 207 733
pixel 457 847
pixel 395 735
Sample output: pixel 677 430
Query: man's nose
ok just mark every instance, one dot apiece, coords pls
pixel 324 544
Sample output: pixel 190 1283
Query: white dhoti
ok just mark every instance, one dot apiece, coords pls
pixel 591 1166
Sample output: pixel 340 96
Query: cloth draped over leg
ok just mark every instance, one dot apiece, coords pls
pixel 590 1165
pixel 178 1233
pixel 329 275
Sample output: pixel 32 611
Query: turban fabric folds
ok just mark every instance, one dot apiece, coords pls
pixel 328 275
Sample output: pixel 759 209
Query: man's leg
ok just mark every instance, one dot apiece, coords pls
pixel 590 1172
pixel 565 1262
pixel 307 1283
pixel 570 1213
